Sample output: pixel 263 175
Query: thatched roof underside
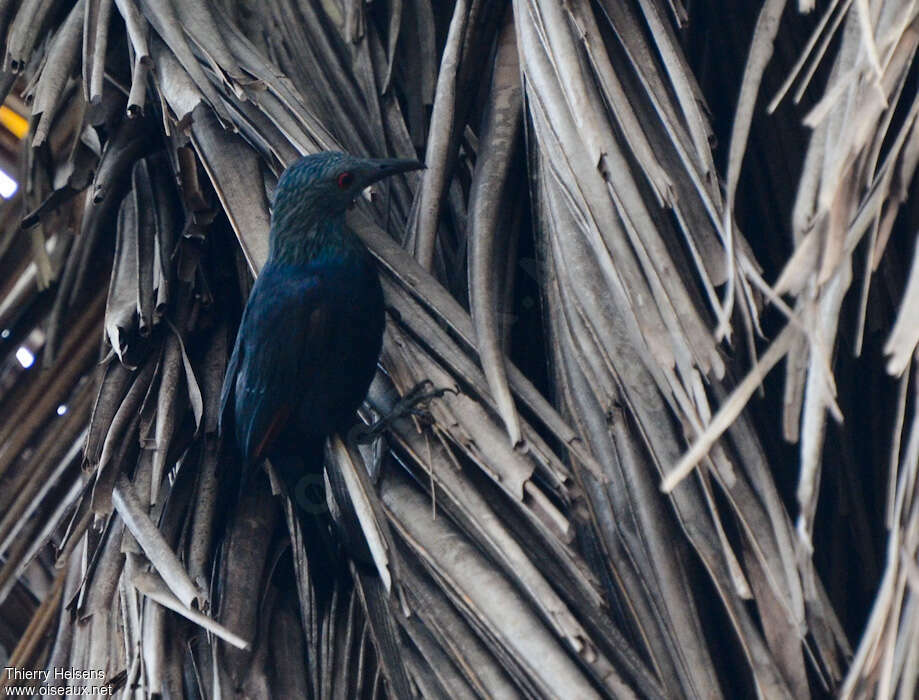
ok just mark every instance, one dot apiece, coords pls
pixel 663 256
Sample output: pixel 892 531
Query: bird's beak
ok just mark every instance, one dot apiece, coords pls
pixel 378 168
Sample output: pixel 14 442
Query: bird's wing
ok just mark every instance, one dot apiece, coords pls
pixel 283 337
pixel 225 417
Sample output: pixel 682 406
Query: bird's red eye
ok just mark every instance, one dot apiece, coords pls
pixel 345 180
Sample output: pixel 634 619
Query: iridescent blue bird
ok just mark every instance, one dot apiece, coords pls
pixel 311 332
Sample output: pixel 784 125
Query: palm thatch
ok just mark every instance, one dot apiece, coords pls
pixel 632 213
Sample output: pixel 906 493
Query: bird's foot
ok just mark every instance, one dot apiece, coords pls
pixel 412 404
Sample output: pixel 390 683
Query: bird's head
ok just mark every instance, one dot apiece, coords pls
pixel 328 182
pixel 312 195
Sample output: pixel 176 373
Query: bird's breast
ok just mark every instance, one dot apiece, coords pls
pixel 354 303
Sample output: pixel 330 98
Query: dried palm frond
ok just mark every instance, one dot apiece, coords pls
pixel 596 507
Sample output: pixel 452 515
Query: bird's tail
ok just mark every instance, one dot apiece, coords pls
pixel 330 555
pixel 304 484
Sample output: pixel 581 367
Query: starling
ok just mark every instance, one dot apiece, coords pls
pixel 311 332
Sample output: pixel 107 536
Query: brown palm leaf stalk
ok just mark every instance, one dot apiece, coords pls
pixel 633 212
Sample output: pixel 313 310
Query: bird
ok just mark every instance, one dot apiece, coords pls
pixel 305 353
pixel 312 329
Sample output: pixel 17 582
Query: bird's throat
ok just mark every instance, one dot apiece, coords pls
pixel 313 242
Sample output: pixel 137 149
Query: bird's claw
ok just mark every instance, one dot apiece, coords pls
pixel 407 406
